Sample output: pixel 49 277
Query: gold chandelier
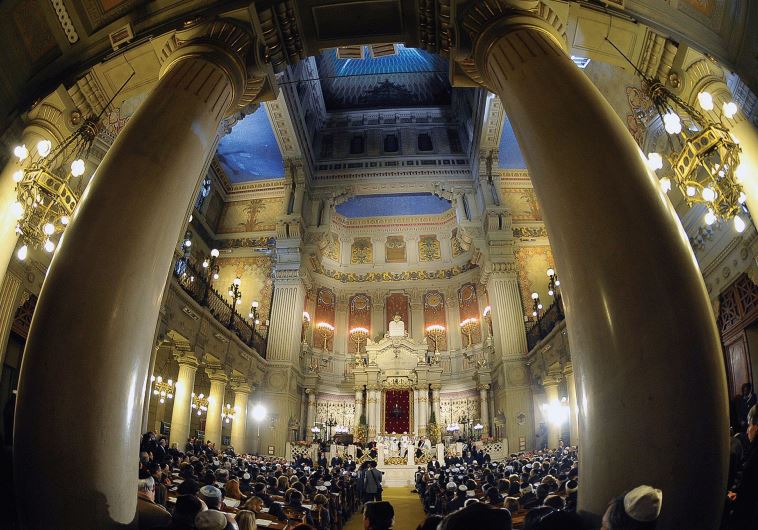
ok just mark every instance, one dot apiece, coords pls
pixel 704 159
pixel 49 183
pixel 48 186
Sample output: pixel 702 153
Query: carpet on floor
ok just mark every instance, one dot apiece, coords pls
pixel 409 511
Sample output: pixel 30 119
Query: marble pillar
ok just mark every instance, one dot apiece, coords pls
pixel 453 320
pixel 10 293
pixel 436 404
pixel 651 283
pixel 552 399
pixel 378 406
pixel 239 423
pixel 423 410
pixel 371 411
pixel 484 415
pixel 509 342
pixel 568 373
pixel 215 406
pixel 182 411
pixel 358 406
pixel 146 184
pixel 377 315
pixel 311 415
pixel 416 411
pixel 417 318
pixel 341 331
pixel 286 317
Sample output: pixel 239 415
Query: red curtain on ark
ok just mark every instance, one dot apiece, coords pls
pixel 397 411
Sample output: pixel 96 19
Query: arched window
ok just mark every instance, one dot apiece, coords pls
pixel 356 145
pixel 391 143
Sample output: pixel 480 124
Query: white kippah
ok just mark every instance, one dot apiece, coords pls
pixel 451 486
pixel 210 520
pixel 643 503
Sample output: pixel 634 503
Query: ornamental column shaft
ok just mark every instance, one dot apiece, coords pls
pixel 484 409
pixel 423 410
pixel 146 184
pixel 436 405
pixel 649 283
pixel 553 400
pixel 10 294
pixel 568 373
pixel 311 415
pixel 416 412
pixel 182 411
pixel 215 406
pixel 509 341
pixel 286 316
pixel 239 423
pixel 358 406
pixel 371 412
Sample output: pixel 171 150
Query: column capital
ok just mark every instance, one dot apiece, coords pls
pixel 436 387
pixel 568 369
pixel 479 23
pixel 186 358
pixel 232 48
pixel 241 386
pixel 483 388
pixel 216 374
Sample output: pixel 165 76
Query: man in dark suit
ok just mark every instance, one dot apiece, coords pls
pixel 433 465
pixel 744 507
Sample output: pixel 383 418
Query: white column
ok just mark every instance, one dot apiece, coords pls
pixel 484 406
pixel 340 325
pixel 423 409
pixel 311 416
pixel 552 398
pixel 568 372
pixel 371 412
pixel 453 321
pixel 436 404
pixel 215 405
pixel 10 292
pixel 417 317
pixel 416 412
pixel 378 405
pixel 358 406
pixel 509 341
pixel 286 317
pixel 239 423
pixel 182 411
pixel 377 314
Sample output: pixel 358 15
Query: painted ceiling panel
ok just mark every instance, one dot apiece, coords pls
pixel 510 156
pixel 251 152
pixel 393 205
pixel 409 78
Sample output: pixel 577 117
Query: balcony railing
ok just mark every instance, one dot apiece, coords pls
pixel 544 324
pixel 196 285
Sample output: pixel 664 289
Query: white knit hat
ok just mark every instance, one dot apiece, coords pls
pixel 643 503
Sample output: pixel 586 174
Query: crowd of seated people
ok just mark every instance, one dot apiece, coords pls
pixel 208 490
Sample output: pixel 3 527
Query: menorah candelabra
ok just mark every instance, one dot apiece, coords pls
pixel 467 327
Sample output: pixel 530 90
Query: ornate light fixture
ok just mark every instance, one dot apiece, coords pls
pixel 200 403
pixel 234 291
pixel 209 264
pixel 227 413
pixel 435 332
pixel 253 315
pixel 326 330
pixel 536 305
pixel 553 283
pixel 163 389
pixel 704 162
pixel 315 431
pixel 467 327
pixel 478 428
pixel 358 335
pixel 49 184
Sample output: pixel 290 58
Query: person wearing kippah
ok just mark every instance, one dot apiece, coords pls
pixel 744 496
pixel 637 509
